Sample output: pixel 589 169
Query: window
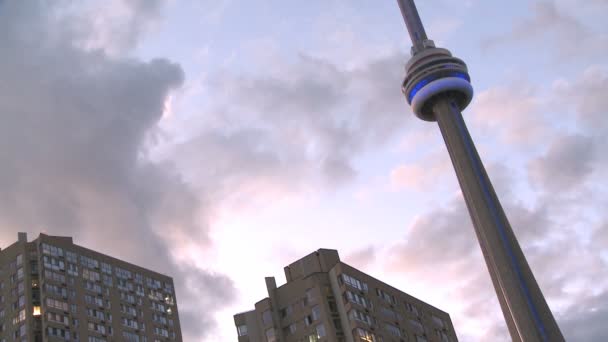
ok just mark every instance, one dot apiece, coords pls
pixel 393 330
pixel 53 263
pixel 292 328
pixel 122 273
pixel 50 275
pixel 19 318
pixel 129 322
pixel 88 262
pixel 51 250
pixel 361 317
pixel 106 268
pixel 420 338
pixel 316 313
pixel 96 327
pixel 97 314
pixel 107 280
pixel 270 335
pixel 311 338
pixel 129 310
pixel 57 318
pixel 157 306
pixel 93 300
pixel 161 332
pixel 96 339
pixel 353 282
pixel 356 298
pixel 390 313
pixel 56 304
pixel 73 269
pixel 411 308
pixel 414 323
pixel 90 275
pixel 129 336
pixel 19 260
pixel 438 321
pixel 309 296
pixel 58 333
pixel 55 290
pixel 36 311
pixel 267 317
pixel 366 336
pixel 386 296
pixel 286 311
pixel 71 257
pixel 320 331
pixel 242 330
pixel 89 286
pixel 443 336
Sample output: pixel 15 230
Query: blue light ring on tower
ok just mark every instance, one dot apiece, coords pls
pixel 411 90
pixel 459 85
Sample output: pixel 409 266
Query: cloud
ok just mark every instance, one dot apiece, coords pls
pixel 300 125
pixel 440 247
pixel 566 164
pixel 76 127
pixel 555 22
pixel 421 175
pixel 362 258
pixel 514 111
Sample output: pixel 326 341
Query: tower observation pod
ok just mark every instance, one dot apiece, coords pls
pixel 438 87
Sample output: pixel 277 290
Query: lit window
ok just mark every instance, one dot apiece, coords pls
pixel 36 311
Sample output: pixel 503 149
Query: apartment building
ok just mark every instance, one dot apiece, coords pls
pixel 325 299
pixel 54 290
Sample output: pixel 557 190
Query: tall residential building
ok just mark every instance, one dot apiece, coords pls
pixel 54 290
pixel 325 299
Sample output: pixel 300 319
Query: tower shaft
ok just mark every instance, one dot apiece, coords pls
pixel 524 307
pixel 437 86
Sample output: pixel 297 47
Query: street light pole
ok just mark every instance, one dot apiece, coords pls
pixel 438 87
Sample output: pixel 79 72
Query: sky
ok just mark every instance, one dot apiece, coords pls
pixel 217 141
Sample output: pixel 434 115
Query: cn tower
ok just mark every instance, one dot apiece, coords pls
pixel 438 87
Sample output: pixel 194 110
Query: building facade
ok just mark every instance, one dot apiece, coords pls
pixel 325 299
pixel 54 290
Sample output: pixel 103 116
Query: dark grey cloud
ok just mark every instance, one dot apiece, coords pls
pixel 592 319
pixel 76 125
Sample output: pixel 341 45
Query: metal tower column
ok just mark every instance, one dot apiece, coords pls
pixel 437 86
